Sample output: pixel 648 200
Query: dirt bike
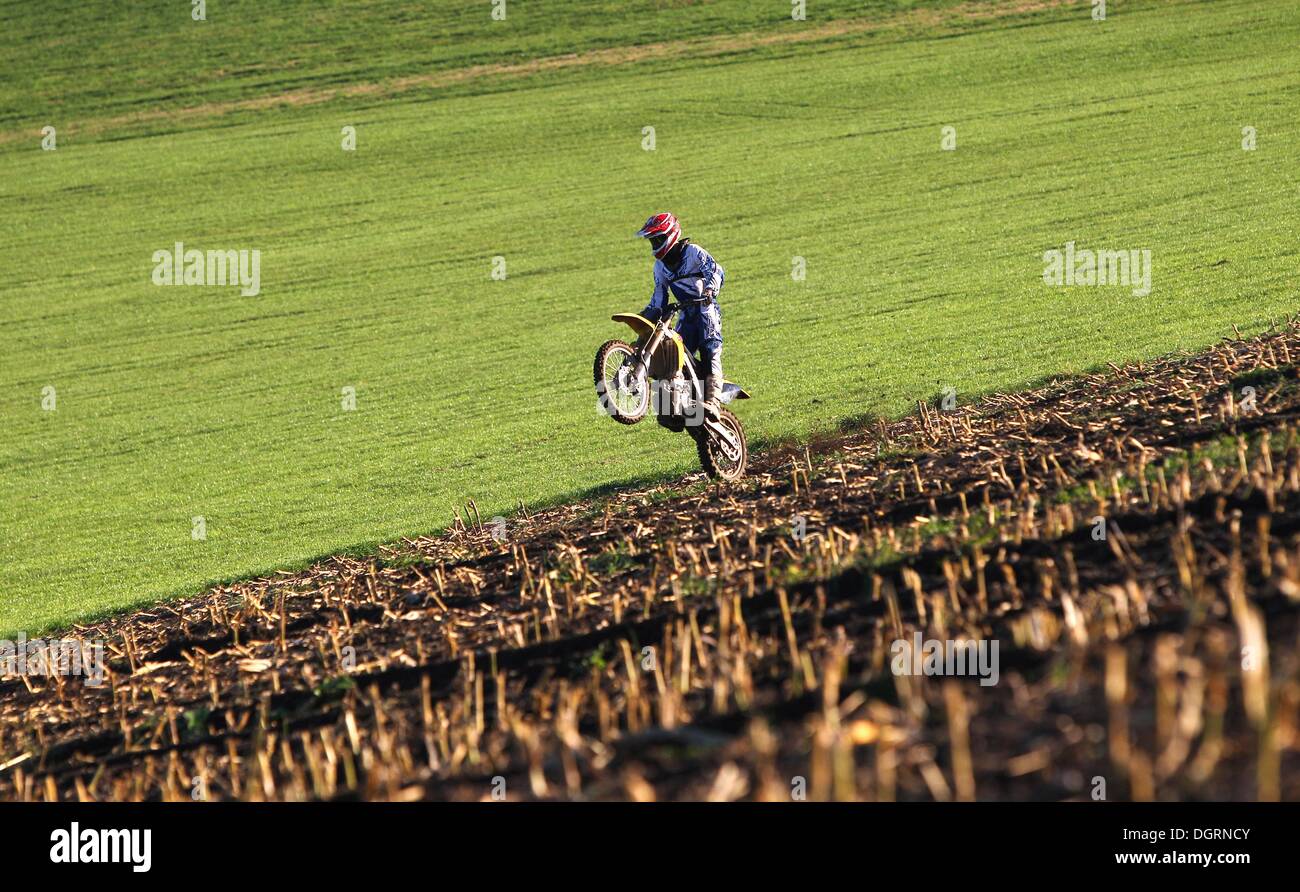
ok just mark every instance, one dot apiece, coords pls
pixel 624 374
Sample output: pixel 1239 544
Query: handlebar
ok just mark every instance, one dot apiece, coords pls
pixel 671 308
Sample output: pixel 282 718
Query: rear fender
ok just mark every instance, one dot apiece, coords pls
pixel 732 391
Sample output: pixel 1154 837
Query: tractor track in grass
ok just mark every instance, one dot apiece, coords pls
pixel 679 641
pixel 715 47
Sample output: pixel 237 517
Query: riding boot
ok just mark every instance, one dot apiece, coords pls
pixel 712 388
pixel 713 383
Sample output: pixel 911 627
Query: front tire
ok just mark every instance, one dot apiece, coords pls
pixel 623 398
pixel 718 460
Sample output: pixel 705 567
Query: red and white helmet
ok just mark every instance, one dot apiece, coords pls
pixel 663 230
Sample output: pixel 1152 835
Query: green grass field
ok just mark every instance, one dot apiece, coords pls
pixel 924 266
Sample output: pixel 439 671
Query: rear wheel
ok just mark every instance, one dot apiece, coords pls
pixel 624 395
pixel 722 460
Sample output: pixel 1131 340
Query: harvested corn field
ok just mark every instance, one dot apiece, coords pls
pixel 1121 550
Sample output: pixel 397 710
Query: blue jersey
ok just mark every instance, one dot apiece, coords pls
pixel 698 273
pixel 700 324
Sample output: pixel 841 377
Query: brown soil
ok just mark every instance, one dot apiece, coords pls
pixel 680 642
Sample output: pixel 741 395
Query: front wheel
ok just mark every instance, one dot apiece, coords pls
pixel 624 395
pixel 723 458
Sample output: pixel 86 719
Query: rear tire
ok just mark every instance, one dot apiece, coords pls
pixel 715 460
pixel 624 405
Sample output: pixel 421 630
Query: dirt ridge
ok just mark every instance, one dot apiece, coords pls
pixel 681 642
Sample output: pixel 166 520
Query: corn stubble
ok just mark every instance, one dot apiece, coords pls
pixel 659 645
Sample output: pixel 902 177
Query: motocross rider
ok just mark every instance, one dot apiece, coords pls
pixel 688 274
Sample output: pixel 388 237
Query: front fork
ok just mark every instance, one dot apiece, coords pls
pixel 648 349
